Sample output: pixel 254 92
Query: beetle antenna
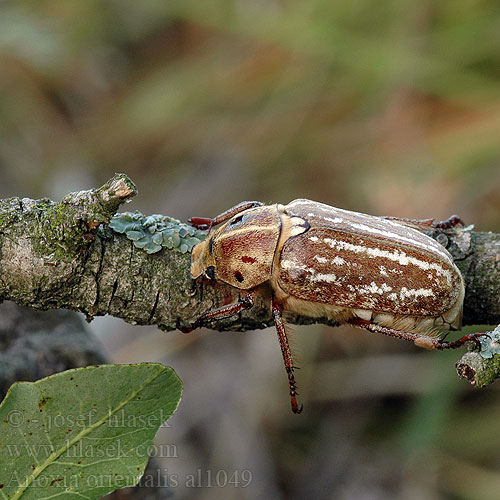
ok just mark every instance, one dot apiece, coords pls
pixel 287 357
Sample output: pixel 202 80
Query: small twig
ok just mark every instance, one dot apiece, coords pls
pixel 481 368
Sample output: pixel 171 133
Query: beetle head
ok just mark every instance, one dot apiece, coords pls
pixel 241 251
pixel 203 259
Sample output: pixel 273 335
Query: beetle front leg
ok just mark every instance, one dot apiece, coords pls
pixel 287 357
pixel 219 313
pixel 229 310
pixel 207 223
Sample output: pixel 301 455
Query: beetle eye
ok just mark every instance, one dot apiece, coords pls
pixel 210 272
pixel 236 221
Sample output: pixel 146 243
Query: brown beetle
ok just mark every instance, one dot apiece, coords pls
pixel 377 273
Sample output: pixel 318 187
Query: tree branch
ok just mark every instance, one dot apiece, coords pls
pixel 64 255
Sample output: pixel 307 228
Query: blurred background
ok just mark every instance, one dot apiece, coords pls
pixel 384 107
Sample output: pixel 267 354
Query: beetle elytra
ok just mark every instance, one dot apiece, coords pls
pixel 378 273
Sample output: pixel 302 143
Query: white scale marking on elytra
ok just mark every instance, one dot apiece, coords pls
pixel 292 264
pixel 314 276
pixel 396 271
pixel 374 288
pixel 321 260
pixel 374 224
pixel 383 271
pixel 328 278
pixel 420 292
pixel 392 223
pixel 338 261
pixel 395 256
pixel 336 220
pixel 413 238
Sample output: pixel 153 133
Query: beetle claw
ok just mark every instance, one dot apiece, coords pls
pixel 187 328
pixel 295 407
pixel 474 337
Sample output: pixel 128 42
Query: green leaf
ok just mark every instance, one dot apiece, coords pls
pixel 83 433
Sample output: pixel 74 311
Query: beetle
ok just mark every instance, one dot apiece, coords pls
pixel 378 273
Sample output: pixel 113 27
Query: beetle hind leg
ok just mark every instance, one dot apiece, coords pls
pixel 474 337
pixel 426 224
pixel 419 340
pixel 287 357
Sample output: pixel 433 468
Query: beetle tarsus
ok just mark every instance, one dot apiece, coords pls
pixel 450 222
pixel 426 224
pixel 295 407
pixel 473 337
pixel 420 224
pixel 293 392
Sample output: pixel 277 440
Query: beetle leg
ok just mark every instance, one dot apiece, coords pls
pixel 424 341
pixel 287 357
pixel 229 310
pixel 372 327
pixel 474 337
pixel 422 224
pixel 201 222
pixel 452 221
pixel 187 328
pixel 207 223
pixel 219 313
pixel 426 224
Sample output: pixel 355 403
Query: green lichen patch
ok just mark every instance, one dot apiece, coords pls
pixel 490 345
pixel 155 232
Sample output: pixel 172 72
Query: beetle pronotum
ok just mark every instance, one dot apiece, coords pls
pixel 377 273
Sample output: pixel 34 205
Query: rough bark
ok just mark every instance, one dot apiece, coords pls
pixel 35 344
pixel 63 255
